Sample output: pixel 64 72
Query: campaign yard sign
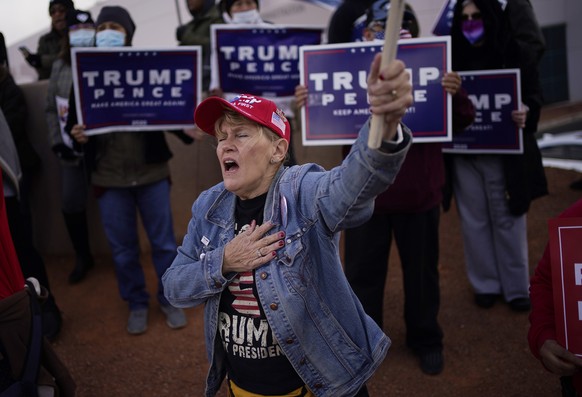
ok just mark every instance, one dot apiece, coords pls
pixel 565 235
pixel 136 89
pixel 336 79
pixel 495 94
pixel 259 59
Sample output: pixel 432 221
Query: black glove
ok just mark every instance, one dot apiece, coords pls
pixel 34 60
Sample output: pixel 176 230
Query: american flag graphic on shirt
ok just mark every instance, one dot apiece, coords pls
pixel 245 301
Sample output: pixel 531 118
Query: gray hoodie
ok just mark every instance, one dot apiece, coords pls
pixel 9 162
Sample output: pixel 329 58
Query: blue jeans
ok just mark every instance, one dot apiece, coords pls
pixel 119 217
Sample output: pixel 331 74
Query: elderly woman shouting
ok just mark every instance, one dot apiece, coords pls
pixel 261 251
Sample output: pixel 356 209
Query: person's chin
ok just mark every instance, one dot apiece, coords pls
pixel 230 185
pixel 60 26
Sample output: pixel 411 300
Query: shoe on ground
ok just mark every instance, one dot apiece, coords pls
pixel 82 267
pixel 577 185
pixel 175 317
pixel 485 300
pixel 432 363
pixel 520 305
pixel 137 323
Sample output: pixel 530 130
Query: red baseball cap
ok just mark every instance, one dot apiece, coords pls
pixel 255 108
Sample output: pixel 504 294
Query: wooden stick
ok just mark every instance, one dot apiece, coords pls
pixel 391 36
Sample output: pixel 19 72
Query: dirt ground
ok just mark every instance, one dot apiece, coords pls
pixel 486 351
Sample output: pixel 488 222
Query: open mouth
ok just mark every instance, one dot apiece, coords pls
pixel 230 165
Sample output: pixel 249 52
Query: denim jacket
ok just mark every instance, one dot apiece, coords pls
pixel 314 314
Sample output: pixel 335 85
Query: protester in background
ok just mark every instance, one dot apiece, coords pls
pixel 244 12
pixel 49 44
pixel 197 32
pixel 130 174
pixel 74 175
pixel 241 12
pixel 542 332
pixel 13 105
pixel 409 211
pixel 531 44
pixel 493 191
pixel 341 24
pixel 262 250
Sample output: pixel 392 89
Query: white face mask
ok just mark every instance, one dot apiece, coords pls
pixel 250 17
pixel 82 38
pixel 110 38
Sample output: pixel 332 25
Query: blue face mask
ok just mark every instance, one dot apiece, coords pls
pixel 110 38
pixel 82 38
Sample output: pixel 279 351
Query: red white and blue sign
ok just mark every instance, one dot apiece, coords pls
pixel 495 95
pixel 565 235
pixel 260 60
pixel 336 79
pixel 136 89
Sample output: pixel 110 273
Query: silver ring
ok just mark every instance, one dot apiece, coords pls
pixel 394 94
pixel 259 255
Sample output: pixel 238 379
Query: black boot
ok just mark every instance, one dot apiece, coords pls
pixel 78 232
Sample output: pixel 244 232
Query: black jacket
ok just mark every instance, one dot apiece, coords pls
pixel 512 40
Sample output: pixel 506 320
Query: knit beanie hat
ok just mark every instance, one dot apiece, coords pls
pixel 119 15
pixel 227 4
pixel 67 3
pixel 77 17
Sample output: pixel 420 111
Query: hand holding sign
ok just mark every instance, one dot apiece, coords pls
pixel 559 360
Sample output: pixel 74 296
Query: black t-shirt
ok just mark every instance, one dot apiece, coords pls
pixel 255 362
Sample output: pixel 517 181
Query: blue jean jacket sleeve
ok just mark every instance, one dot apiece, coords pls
pixel 196 273
pixel 347 199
